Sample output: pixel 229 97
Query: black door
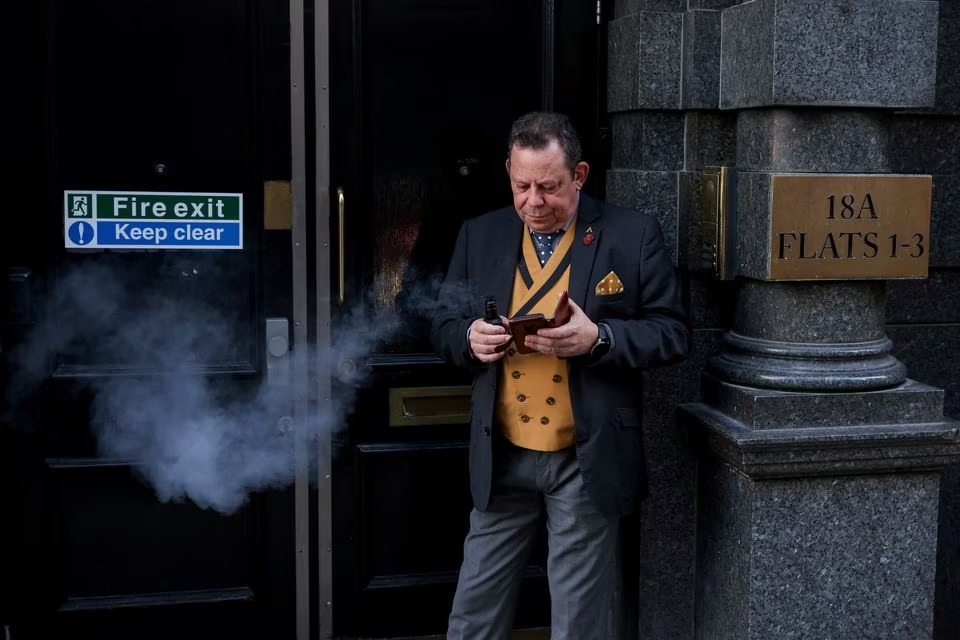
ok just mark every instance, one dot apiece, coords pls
pixel 422 96
pixel 142 446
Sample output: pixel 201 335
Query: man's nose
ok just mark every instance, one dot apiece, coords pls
pixel 536 197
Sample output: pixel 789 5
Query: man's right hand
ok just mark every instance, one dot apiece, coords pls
pixel 484 338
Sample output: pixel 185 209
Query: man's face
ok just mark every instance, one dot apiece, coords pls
pixel 545 191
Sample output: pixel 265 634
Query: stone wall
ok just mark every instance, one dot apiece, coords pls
pixel 835 86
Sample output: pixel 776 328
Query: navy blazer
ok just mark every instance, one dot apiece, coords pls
pixel 647 323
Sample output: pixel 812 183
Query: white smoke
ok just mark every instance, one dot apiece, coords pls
pixel 181 425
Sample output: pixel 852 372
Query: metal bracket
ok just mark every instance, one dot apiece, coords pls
pixel 278 352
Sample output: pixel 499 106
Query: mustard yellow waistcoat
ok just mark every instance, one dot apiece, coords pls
pixel 533 399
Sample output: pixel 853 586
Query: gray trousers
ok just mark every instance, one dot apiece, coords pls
pixel 582 562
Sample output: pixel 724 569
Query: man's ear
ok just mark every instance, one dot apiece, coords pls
pixel 580 173
pixel 507 165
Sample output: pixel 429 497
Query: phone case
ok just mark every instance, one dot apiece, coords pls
pixel 522 326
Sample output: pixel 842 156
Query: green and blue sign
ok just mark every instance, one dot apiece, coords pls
pixel 147 220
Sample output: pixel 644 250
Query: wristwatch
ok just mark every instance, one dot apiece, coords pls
pixel 602 345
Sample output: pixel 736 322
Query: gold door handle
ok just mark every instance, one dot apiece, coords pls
pixel 341 245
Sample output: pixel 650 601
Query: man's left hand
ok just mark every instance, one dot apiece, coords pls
pixel 574 338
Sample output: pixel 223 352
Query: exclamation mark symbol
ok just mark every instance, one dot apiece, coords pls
pixel 80 232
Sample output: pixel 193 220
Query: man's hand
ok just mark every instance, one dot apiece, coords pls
pixel 575 338
pixel 485 337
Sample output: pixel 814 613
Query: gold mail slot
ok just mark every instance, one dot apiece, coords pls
pixel 844 227
pixel 419 406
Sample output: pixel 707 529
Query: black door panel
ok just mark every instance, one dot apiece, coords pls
pixel 423 96
pixel 157 97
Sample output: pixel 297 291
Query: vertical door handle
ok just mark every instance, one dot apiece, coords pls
pixel 341 245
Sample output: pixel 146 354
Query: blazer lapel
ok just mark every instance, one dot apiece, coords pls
pixel 502 265
pixel 584 251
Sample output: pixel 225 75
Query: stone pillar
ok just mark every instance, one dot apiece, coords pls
pixel 818 484
pixel 817 494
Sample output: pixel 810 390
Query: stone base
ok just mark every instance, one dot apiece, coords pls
pixel 814 558
pixel 817 512
pixel 908 403
pixel 797 438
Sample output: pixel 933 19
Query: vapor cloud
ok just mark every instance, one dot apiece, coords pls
pixel 157 401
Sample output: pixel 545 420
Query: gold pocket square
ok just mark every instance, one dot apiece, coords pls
pixel 609 286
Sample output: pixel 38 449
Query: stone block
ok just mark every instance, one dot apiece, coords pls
pixel 753 224
pixel 919 144
pixel 626 149
pixel 724 534
pixel 934 300
pixel 666 5
pixel 945 221
pixel 643 61
pixel 623 8
pixel 747 69
pixel 701 60
pixel 711 301
pixel 849 556
pixel 946 611
pixel 814 558
pixel 776 409
pixel 929 353
pixel 818 141
pixel 689 215
pixel 667 543
pixel 653 192
pixel 817 532
pixel 711 139
pixel 948 62
pixel 648 140
pixel 711 4
pixel 822 313
pixel 623 63
pixel 948 59
pixel 869 53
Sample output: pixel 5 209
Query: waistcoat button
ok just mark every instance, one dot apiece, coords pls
pixel 521 397
pixel 544 420
pixel 551 401
pixel 524 418
pixel 556 378
pixel 516 375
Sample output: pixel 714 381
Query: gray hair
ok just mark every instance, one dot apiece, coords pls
pixel 535 130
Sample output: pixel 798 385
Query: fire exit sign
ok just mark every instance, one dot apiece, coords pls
pixel 149 220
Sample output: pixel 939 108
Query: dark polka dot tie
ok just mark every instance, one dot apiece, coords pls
pixel 545 243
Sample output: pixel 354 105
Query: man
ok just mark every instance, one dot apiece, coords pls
pixel 557 430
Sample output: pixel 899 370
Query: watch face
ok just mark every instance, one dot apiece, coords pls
pixel 602 345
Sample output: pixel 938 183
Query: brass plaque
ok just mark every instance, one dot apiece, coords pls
pixel 277 205
pixel 846 227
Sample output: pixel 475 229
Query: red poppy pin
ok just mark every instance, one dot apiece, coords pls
pixel 588 236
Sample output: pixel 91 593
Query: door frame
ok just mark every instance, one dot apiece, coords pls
pixel 316 293
pixel 310 239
